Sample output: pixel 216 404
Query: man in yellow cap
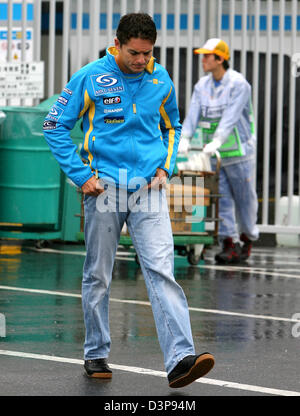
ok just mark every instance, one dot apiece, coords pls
pixel 221 108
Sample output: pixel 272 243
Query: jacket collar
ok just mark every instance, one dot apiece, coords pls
pixel 112 51
pixel 225 79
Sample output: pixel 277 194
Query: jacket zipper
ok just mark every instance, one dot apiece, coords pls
pixel 94 156
pixel 134 110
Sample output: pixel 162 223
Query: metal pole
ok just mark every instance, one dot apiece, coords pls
pixel 256 69
pixel 163 49
pixel 51 49
pixel 280 72
pixel 231 31
pixel 151 7
pixel 256 59
pixel 212 25
pixel 94 29
pixel 189 55
pixel 65 43
pixel 203 30
pixel 176 70
pixel 9 30
pixel 37 31
pixel 24 27
pixel 291 150
pixel 79 11
pixel 244 38
pixel 266 171
pixel 110 37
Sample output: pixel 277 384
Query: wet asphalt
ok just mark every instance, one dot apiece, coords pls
pixel 245 315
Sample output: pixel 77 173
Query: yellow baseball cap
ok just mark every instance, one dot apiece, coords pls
pixel 215 46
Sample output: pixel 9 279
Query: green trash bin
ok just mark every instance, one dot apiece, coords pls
pixel 29 178
pixel 33 189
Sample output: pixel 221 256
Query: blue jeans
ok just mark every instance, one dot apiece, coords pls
pixel 238 204
pixel 147 218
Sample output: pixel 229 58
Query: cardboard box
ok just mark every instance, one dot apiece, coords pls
pixel 182 200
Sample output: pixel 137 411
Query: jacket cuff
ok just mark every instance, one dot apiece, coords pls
pixel 80 180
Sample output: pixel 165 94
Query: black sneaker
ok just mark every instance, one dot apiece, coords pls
pixel 190 368
pixel 247 246
pixel 97 368
pixel 231 252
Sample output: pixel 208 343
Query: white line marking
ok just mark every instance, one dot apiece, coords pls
pixel 124 258
pixel 51 250
pixel 127 256
pixel 243 315
pixel 250 270
pixel 296 270
pixel 120 255
pixel 147 371
pixel 79 253
pixel 83 253
pixel 288 252
pixel 145 303
pixel 263 262
pixel 215 311
pixel 41 291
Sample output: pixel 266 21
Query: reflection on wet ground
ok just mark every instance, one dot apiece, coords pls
pixel 246 315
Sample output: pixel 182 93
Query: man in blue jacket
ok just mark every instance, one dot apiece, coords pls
pixel 131 132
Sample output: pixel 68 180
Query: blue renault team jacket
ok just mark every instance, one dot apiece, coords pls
pixel 131 134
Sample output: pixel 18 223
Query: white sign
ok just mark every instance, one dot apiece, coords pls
pixel 22 80
pixel 16 45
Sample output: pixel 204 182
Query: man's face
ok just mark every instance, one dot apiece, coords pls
pixel 209 62
pixel 133 56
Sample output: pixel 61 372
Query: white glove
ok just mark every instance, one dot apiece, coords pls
pixel 211 148
pixel 204 162
pixel 184 144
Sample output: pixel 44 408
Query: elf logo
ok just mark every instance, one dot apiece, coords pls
pixel 112 100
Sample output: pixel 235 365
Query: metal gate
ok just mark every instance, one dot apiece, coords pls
pixel 264 38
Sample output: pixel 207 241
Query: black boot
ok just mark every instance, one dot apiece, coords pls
pixel 231 252
pixel 247 246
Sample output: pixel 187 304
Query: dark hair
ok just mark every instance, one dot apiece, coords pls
pixel 136 25
pixel 225 63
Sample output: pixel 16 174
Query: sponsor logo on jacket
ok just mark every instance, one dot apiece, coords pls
pixel 63 100
pixel 68 91
pixel 113 110
pixel 155 81
pixel 114 120
pixel 55 113
pixel 49 125
pixel 106 83
pixel 112 100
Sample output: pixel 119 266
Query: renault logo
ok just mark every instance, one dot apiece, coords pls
pixel 106 80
